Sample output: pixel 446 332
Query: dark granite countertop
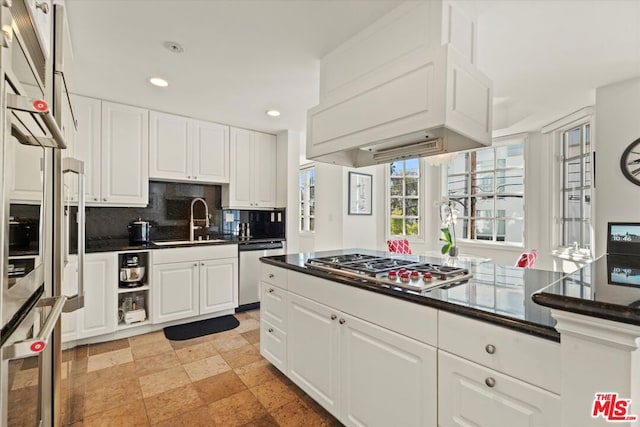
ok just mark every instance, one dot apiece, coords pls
pixel 497 294
pixel 607 288
pixel 122 244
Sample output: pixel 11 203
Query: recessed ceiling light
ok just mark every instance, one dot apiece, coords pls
pixel 157 81
pixel 273 113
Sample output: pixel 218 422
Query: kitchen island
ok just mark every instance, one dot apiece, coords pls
pixel 374 354
pixel 479 352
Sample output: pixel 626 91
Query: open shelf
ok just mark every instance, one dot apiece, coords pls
pixel 128 290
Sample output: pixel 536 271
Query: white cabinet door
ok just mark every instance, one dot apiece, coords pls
pixel 24 172
pixel 175 291
pixel 218 285
pixel 313 351
pixel 264 170
pixel 210 152
pixel 99 313
pixel 125 152
pixel 88 112
pixel 273 345
pixel 470 394
pixel 241 184
pixel 387 379
pixel 169 147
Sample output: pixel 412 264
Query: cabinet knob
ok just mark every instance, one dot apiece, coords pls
pixel 490 348
pixel 95 199
pixel 195 264
pixel 271 276
pixel 342 321
pixel 43 6
pixel 188 176
pixel 202 264
pixel 270 330
pixel 104 199
pixel 334 317
pixel 270 290
pixel 490 382
pixel 195 177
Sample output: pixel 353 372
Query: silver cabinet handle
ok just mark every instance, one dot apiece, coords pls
pixel 270 330
pixel 270 290
pixel 334 317
pixel 342 321
pixel 271 276
pixel 43 6
pixel 490 382
pixel 490 348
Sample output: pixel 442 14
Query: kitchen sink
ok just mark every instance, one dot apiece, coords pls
pixel 188 242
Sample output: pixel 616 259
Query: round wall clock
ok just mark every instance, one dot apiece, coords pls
pixel 630 162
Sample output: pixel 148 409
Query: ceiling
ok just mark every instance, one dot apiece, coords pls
pixel 243 57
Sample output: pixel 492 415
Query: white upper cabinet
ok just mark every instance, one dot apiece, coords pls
pixel 183 149
pixel 113 142
pixel 253 170
pixel 86 144
pixel 125 153
pixel 169 148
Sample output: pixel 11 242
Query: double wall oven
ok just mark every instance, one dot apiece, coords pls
pixel 33 102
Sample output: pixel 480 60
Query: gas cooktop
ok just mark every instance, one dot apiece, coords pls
pixel 392 272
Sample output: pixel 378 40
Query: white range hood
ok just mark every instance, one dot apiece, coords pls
pixel 406 86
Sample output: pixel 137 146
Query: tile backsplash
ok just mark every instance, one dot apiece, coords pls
pixel 168 212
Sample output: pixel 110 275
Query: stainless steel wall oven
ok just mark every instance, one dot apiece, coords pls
pixel 32 146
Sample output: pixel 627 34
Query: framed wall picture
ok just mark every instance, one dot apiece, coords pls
pixel 360 193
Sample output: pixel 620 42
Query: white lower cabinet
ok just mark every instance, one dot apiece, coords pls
pixel 273 325
pixel 98 315
pixel 175 291
pixel 192 281
pixel 313 351
pixel 218 285
pixel 363 374
pixel 473 395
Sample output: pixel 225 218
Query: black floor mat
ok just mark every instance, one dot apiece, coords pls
pixel 200 328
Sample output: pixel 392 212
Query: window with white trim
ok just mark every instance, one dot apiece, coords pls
pixel 307 199
pixel 487 188
pixel 404 198
pixel 575 159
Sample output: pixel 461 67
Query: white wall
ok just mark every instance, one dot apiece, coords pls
pixel 288 144
pixel 617 126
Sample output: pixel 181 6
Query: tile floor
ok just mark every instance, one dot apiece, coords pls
pixel 215 380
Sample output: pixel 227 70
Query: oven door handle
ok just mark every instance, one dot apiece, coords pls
pixel 33 346
pixel 38 108
pixel 75 166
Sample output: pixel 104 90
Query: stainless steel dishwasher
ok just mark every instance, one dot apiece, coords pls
pixel 249 271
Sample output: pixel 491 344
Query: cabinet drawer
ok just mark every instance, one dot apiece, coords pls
pixel 274 275
pixel 470 394
pixel 531 359
pixel 194 253
pixel 273 305
pixel 273 345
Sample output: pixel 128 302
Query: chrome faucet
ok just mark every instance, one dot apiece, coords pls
pixel 192 220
